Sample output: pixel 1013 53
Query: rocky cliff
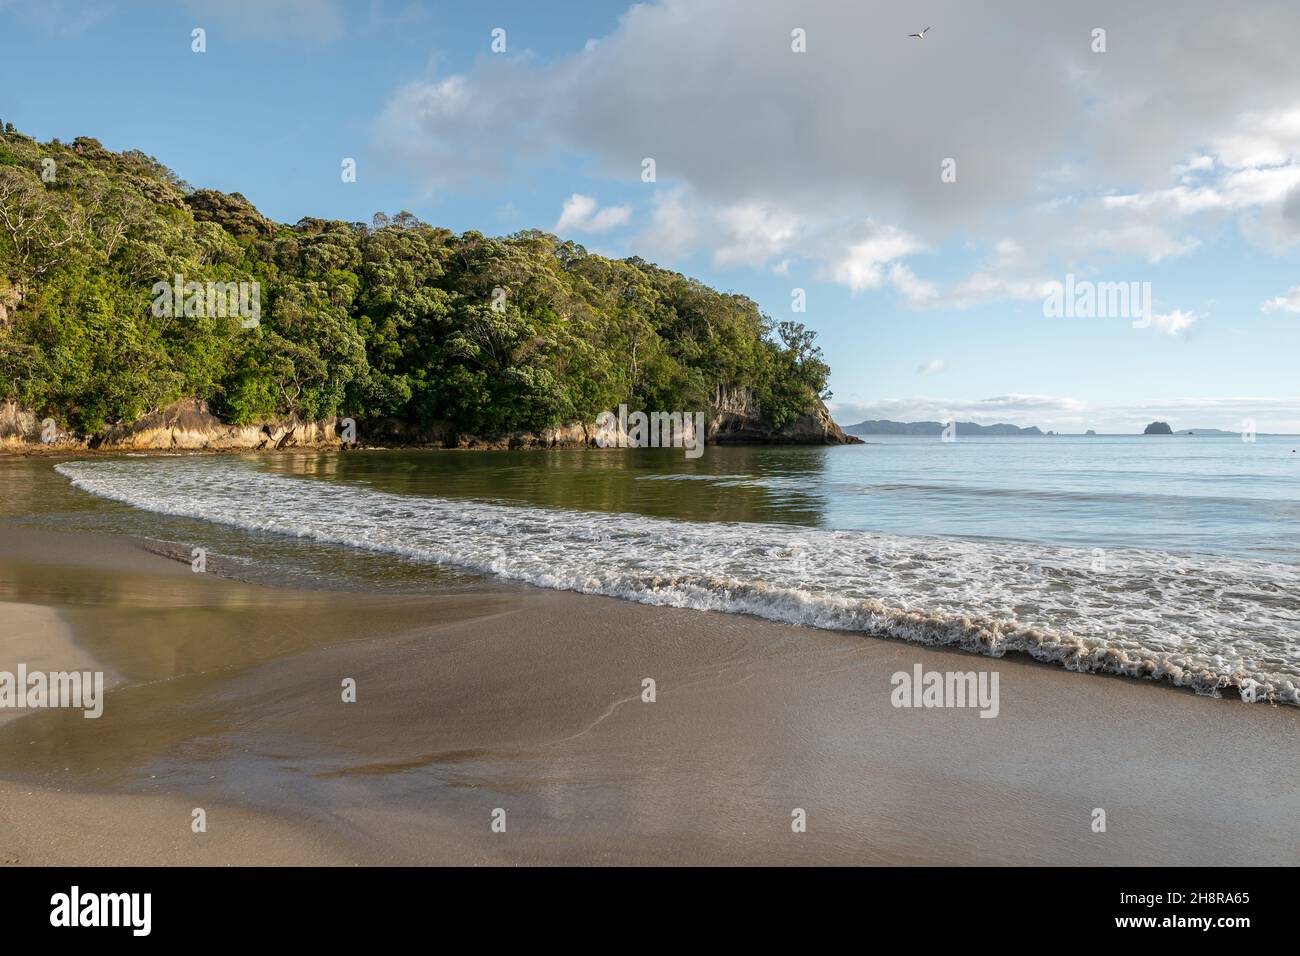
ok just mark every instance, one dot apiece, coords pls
pixel 190 426
pixel 185 426
pixel 814 427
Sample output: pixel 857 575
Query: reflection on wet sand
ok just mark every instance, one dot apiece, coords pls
pixel 227 696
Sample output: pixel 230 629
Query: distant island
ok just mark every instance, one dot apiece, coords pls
pixel 884 427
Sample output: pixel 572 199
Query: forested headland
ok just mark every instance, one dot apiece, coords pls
pixel 394 319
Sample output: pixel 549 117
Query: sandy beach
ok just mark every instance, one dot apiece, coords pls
pixel 650 433
pixel 226 695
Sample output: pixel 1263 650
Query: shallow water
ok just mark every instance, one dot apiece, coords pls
pixel 1174 558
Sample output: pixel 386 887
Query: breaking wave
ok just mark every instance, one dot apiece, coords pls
pixel 1209 623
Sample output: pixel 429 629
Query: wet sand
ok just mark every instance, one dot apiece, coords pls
pixel 227 696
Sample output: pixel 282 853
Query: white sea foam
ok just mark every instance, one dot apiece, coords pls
pixel 1201 622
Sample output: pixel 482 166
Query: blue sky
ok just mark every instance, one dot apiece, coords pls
pixel 1171 157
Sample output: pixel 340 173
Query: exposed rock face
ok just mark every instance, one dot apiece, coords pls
pixel 189 425
pixel 10 299
pixel 816 427
pixel 184 426
pixel 1158 428
pixel 18 426
pixel 734 419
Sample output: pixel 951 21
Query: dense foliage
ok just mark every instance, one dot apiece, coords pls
pixel 395 319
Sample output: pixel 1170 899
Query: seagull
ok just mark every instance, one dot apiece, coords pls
pixel 921 35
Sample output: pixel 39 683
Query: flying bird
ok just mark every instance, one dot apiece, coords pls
pixel 921 35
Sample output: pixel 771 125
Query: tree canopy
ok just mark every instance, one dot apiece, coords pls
pixel 395 318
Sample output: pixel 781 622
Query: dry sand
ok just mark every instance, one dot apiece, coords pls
pixel 227 696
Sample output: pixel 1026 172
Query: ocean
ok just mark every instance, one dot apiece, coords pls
pixel 1174 558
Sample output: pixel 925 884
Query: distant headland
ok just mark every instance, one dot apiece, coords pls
pixel 884 427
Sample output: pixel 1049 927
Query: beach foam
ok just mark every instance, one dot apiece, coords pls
pixel 1209 623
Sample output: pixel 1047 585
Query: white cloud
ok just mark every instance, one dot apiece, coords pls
pixel 1284 303
pixel 930 367
pixel 582 214
pixel 1188 171
pixel 672 233
pixel 860 262
pixel 460 131
pixel 916 292
pixel 753 234
pixel 1172 323
pixel 1009 274
pixel 1268 138
pixel 1139 153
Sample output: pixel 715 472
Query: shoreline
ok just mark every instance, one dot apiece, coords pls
pixel 530 701
pixel 989 636
pixel 189 425
pixel 38 450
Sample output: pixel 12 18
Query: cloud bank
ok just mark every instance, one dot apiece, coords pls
pixel 1060 156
